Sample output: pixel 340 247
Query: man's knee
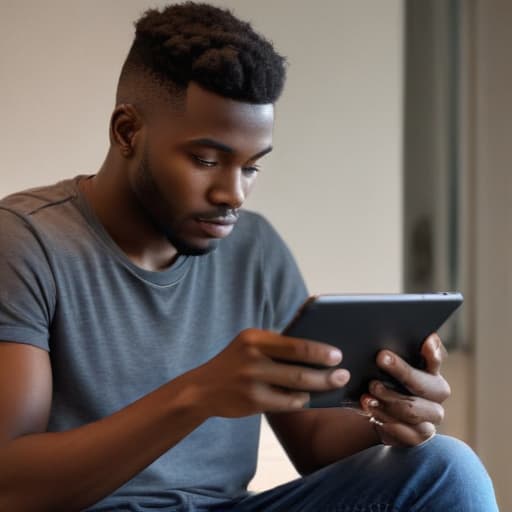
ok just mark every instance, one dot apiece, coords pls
pixel 448 454
pixel 451 473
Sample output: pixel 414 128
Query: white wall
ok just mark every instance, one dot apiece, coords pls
pixel 333 184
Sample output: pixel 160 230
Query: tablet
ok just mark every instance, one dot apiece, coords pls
pixel 362 325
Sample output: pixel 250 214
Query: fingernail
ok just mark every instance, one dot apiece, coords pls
pixel 373 403
pixel 300 402
pixel 340 376
pixel 387 360
pixel 334 356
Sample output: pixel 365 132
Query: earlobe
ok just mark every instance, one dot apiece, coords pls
pixel 125 124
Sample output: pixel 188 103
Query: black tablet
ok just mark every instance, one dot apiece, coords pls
pixel 362 325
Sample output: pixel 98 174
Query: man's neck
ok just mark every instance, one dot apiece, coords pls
pixel 116 206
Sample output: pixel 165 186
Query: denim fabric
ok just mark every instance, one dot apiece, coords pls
pixel 442 475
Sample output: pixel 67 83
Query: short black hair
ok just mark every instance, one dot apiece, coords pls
pixel 197 42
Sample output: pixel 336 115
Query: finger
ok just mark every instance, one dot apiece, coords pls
pixel 434 353
pixel 412 410
pixel 368 403
pixel 281 400
pixel 418 382
pixel 286 348
pixel 405 434
pixel 295 377
pixel 395 433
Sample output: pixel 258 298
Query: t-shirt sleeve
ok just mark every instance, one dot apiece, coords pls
pixel 27 289
pixel 285 287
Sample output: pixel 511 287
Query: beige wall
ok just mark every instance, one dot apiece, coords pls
pixel 333 184
pixel 492 154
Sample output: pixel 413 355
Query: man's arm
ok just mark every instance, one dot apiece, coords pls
pixel 318 437
pixel 71 470
pixel 74 469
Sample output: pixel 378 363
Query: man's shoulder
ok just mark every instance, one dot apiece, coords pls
pixel 28 203
pixel 48 216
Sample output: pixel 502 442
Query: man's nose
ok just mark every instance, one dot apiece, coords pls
pixel 228 188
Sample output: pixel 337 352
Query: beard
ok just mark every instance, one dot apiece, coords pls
pixel 154 204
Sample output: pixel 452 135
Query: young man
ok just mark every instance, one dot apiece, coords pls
pixel 140 310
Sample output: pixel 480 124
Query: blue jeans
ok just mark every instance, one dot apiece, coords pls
pixel 442 475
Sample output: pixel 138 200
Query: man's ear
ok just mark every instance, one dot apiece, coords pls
pixel 125 126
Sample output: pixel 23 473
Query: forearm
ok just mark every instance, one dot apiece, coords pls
pixel 318 437
pixel 339 433
pixel 72 470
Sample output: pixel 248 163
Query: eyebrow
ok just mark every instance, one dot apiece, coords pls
pixel 215 144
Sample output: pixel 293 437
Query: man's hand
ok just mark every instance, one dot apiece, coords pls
pixel 402 420
pixel 262 371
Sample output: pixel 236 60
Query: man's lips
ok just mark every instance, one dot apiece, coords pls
pixel 217 227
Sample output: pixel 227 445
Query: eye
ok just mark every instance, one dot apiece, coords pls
pixel 250 171
pixel 203 161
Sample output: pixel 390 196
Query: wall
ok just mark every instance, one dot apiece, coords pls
pixel 492 126
pixel 333 184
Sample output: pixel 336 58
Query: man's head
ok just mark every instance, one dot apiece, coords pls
pixel 194 113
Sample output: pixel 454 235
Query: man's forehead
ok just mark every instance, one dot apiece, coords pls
pixel 202 104
pixel 208 116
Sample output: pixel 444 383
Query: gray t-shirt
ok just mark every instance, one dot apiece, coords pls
pixel 115 332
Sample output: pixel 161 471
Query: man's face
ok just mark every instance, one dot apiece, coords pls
pixel 199 166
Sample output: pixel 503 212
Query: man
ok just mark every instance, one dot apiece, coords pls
pixel 140 309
